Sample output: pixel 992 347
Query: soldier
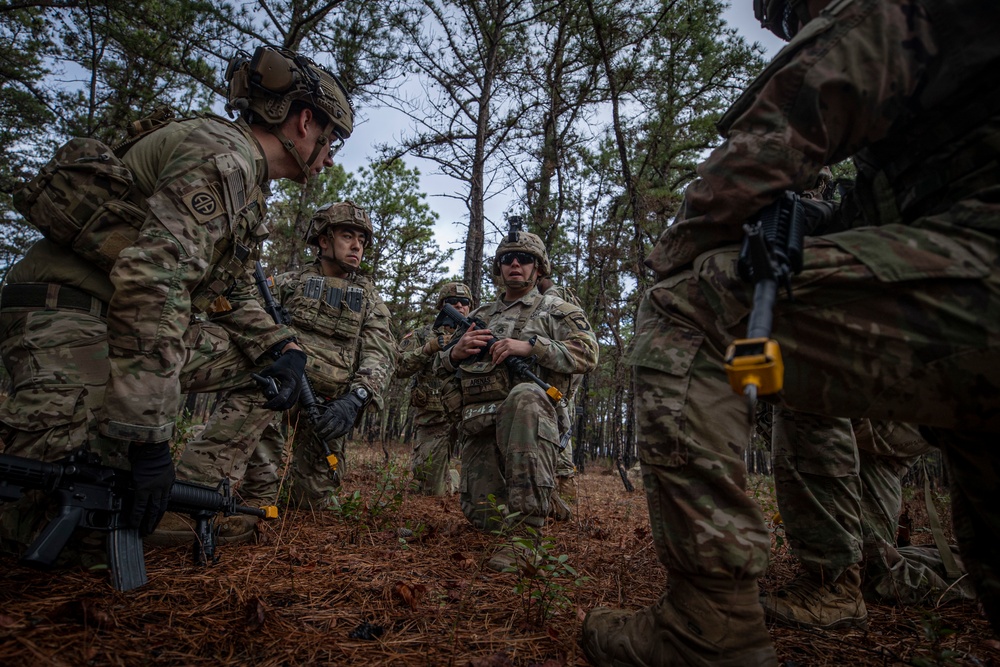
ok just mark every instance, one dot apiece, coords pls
pixel 565 491
pixel 509 429
pixel 104 333
pixel 435 430
pixel 894 318
pixel 342 324
pixel 839 489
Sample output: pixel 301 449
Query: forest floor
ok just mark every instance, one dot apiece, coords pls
pixel 345 588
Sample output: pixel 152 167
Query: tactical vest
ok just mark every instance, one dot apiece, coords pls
pixel 427 384
pixel 328 314
pixel 485 385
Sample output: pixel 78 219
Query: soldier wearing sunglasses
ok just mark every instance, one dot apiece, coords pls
pixel 509 428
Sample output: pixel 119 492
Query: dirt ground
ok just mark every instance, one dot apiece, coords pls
pixel 351 588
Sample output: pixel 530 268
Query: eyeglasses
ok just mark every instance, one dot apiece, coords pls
pixel 458 301
pixel 522 258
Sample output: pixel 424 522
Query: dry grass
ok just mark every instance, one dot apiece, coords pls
pixel 315 585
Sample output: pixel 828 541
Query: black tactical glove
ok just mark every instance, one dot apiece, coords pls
pixel 338 416
pixel 287 372
pixel 152 477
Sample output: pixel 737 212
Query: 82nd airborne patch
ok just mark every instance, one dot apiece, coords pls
pixel 203 203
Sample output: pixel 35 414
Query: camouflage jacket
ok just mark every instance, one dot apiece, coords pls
pixel 564 345
pixel 201 186
pixel 343 326
pixel 906 85
pixel 428 375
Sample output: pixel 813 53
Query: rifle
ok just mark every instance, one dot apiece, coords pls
pixel 771 254
pixel 517 365
pixel 93 496
pixel 307 397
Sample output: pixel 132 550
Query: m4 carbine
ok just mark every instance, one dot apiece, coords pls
pixel 93 496
pixel 449 316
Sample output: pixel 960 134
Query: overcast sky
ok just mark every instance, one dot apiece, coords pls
pixel 381 125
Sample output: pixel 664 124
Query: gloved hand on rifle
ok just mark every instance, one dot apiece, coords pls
pixel 152 477
pixel 437 344
pixel 338 416
pixel 287 371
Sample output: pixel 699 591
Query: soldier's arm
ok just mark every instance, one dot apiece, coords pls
pixel 378 352
pixel 570 346
pixel 827 94
pixel 249 326
pixel 153 279
pixel 412 358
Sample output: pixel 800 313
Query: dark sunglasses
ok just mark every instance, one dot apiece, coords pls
pixel 522 258
pixel 458 301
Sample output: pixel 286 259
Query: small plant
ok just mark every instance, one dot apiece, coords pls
pixel 544 578
pixel 378 511
pixel 936 633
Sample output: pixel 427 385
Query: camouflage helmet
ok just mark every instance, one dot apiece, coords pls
pixel 263 88
pixel 339 214
pixel 782 17
pixel 453 289
pixel 523 242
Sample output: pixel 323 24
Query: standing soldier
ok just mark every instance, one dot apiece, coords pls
pixel 565 491
pixel 509 428
pixel 896 317
pixel 343 326
pixel 133 297
pixel 435 430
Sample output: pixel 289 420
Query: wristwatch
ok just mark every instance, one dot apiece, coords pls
pixel 363 394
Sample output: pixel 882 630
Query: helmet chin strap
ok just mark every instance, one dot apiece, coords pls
pixel 322 140
pixel 346 268
pixel 521 284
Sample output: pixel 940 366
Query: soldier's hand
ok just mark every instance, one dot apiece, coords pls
pixel 287 371
pixel 437 344
pixel 509 347
pixel 338 417
pixel 471 342
pixel 152 479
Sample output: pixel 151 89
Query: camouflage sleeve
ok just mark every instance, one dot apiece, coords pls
pixel 153 279
pixel 571 346
pixel 838 86
pixel 412 359
pixel 249 326
pixel 377 357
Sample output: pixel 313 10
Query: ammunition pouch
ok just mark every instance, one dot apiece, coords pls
pixel 418 397
pixel 329 306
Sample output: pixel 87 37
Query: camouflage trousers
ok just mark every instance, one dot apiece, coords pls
pixel 433 437
pixel 565 466
pixel 839 489
pixel 892 323
pixel 57 361
pixel 513 460
pixel 247 444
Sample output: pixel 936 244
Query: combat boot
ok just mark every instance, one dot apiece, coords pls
pixel 698 621
pixel 558 508
pixel 809 602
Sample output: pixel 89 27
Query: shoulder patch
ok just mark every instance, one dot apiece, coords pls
pixel 203 203
pixel 580 321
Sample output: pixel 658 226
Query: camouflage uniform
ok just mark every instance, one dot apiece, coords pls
pixel 96 352
pixel 346 347
pixel 565 468
pixel 509 433
pixel 897 320
pixel 839 490
pixel 435 431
